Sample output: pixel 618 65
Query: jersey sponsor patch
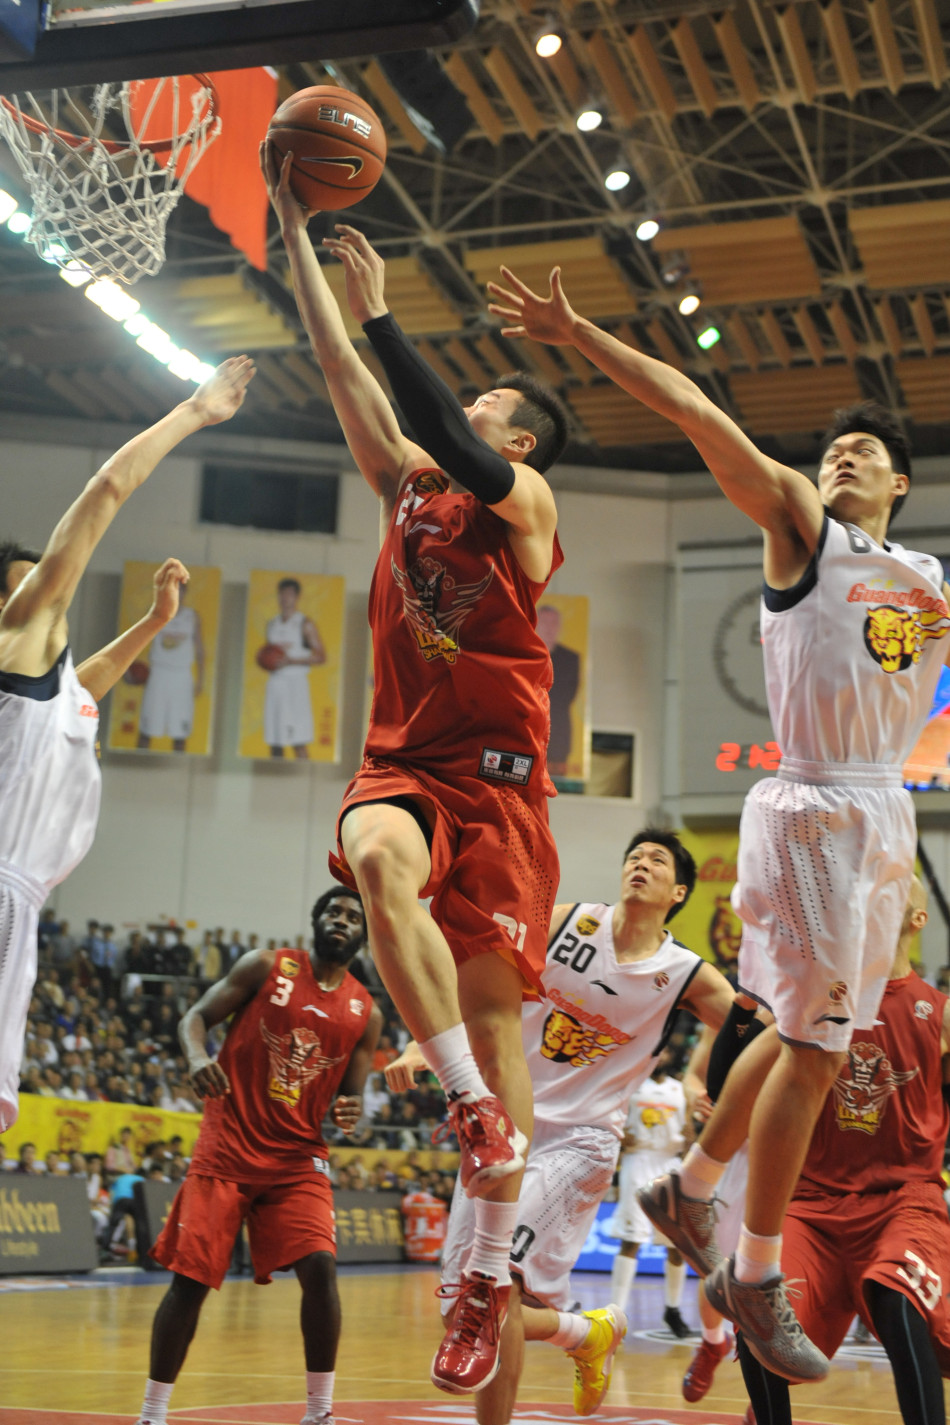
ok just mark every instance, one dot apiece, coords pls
pixel 923 1009
pixel 505 766
pixel 356 1006
pixel 587 924
pixel 289 967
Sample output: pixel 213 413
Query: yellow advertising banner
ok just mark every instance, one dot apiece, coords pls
pixel 165 702
pixel 563 623
pixel 293 654
pixel 707 923
pixel 91 1127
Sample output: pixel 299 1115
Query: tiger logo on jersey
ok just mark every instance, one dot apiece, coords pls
pixel 295 1060
pixel 565 1040
pixel 435 606
pixel 654 1115
pixel 895 638
pixel 586 925
pixel 864 1086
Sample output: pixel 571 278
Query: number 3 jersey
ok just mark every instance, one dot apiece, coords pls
pixel 595 1036
pixel 285 1055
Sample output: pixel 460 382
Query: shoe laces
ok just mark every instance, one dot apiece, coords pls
pixel 473 1311
pixel 777 1291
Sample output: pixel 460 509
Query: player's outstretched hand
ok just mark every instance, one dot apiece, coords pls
pixel 222 395
pixel 365 272
pixel 165 589
pixel 286 204
pixel 208 1079
pixel 401 1073
pixel 346 1112
pixel 550 319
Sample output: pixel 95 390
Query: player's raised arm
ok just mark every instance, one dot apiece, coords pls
pixel 779 499
pixel 45 593
pixel 517 493
pixel 216 1004
pixel 103 670
pixel 381 451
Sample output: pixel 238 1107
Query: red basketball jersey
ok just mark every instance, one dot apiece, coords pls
pixel 286 1051
pixel 885 1122
pixel 461 674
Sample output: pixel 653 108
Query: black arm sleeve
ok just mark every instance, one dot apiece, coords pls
pixel 740 1028
pixel 436 417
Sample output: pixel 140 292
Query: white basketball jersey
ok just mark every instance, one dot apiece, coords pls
pixel 174 647
pixel 853 653
pixel 657 1116
pixel 49 773
pixel 288 634
pixel 596 1034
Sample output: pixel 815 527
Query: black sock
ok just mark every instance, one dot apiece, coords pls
pixel 906 1339
pixel 768 1392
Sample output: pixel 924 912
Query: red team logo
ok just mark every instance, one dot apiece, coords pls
pixel 864 1086
pixel 295 1059
pixel 435 606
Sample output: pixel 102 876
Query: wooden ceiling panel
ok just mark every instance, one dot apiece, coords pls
pixel 903 241
pixel 413 296
pixel 592 279
pixel 926 385
pixel 799 400
pixel 763 260
pixel 614 418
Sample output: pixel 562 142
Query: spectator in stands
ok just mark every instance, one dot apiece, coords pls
pixel 208 965
pixel 26 1161
pixel 61 950
pixel 78 1038
pixel 73 1088
pixel 51 1083
pixel 93 1092
pixel 120 1157
pixel 47 928
pixel 56 1163
pixel 166 1028
pixel 234 951
pixel 108 975
pixel 134 1009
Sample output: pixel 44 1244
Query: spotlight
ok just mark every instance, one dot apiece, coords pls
pixel 8 205
pixel 689 302
pixel 617 176
pixel 675 266
pixel 707 338
pixel 548 39
pixel 19 222
pixel 589 118
pixel 647 229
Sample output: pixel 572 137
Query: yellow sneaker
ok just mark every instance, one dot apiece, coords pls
pixel 594 1357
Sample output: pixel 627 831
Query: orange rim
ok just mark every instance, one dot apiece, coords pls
pixel 36 126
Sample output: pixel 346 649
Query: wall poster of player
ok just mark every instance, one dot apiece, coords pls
pixel 293 654
pixel 165 701
pixel 563 623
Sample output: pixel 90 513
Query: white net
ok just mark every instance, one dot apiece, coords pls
pixel 103 178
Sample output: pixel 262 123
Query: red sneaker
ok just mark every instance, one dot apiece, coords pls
pixel 491 1146
pixel 702 1368
pixel 468 1357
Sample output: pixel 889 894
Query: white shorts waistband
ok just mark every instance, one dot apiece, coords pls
pixel 840 774
pixel 32 890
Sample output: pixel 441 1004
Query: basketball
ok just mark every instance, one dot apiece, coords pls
pixel 270 656
pixel 338 144
pixel 136 673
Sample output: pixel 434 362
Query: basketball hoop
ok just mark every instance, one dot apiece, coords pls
pixel 100 201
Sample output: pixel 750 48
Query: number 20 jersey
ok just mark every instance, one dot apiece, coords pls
pixel 596 1034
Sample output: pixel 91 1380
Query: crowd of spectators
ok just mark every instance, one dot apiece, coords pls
pixel 103 1026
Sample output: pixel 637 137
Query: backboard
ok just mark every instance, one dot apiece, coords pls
pixel 76 42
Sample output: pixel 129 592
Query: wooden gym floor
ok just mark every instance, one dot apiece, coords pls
pixel 76 1354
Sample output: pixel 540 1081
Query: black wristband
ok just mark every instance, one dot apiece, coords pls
pixel 740 1027
pixel 436 417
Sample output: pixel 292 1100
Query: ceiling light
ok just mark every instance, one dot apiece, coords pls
pixel 75 273
pixel 707 338
pixel 548 39
pixel 8 205
pixel 647 229
pixel 689 302
pixel 617 176
pixel 19 222
pixel 588 119
pixel 109 297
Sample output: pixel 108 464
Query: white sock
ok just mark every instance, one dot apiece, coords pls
pixel 715 1335
pixel 449 1056
pixel 494 1224
pixel 758 1258
pixel 571 1330
pixel 674 1278
pixel 319 1394
pixel 155 1405
pixel 700 1174
pixel 622 1274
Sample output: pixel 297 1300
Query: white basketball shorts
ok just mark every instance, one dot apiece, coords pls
pixel 20 900
pixel 288 715
pixel 569 1171
pixel 168 703
pixel 824 871
pixel 630 1223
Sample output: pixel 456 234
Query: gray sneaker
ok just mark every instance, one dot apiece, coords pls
pixel 766 1318
pixel 688 1222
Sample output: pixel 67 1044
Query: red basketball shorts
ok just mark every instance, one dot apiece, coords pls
pixel 833 1246
pixel 494 869
pixel 283 1224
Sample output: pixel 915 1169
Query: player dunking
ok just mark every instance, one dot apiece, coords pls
pixel 49 719
pixel 853 630
pixel 614 982
pixel 299 1047
pixel 451 798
